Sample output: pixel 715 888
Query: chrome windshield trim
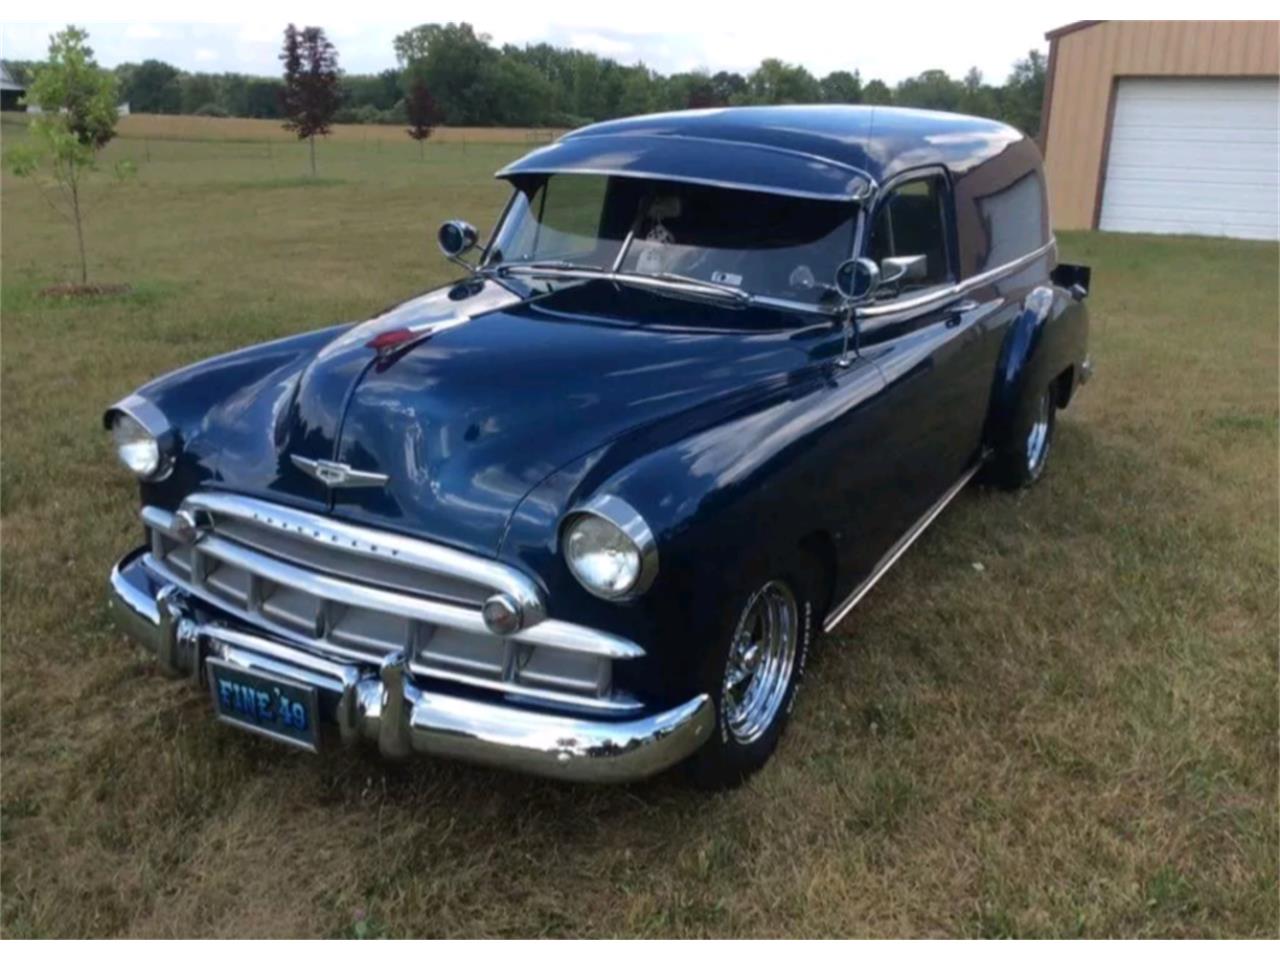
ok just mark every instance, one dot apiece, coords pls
pixel 641 280
pixel 665 282
pixel 879 315
pixel 390 547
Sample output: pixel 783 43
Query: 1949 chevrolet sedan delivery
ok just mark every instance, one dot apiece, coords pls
pixel 584 512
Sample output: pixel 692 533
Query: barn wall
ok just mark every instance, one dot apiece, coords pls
pixel 1085 64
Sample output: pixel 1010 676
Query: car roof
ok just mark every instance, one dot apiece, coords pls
pixel 805 145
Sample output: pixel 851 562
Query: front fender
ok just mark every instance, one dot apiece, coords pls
pixel 188 397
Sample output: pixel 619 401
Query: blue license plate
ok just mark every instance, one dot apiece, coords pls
pixel 261 703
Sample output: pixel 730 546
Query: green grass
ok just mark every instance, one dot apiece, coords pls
pixel 1078 739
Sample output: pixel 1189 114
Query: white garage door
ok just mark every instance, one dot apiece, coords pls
pixel 1194 156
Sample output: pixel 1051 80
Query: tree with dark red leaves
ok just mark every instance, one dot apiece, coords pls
pixel 422 110
pixel 311 93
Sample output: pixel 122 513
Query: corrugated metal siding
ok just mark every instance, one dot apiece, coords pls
pixel 1086 65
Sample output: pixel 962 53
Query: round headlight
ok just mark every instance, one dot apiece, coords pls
pixel 136 447
pixel 610 550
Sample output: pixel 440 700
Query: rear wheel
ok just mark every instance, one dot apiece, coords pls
pixel 754 673
pixel 1020 462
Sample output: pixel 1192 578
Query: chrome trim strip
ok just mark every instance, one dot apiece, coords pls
pixel 548 633
pixel 898 549
pixel 308 643
pixel 875 317
pixel 392 547
pixel 627 519
pixel 384 706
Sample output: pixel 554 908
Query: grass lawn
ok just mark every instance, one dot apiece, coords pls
pixel 1056 716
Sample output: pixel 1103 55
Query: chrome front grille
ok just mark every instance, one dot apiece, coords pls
pixel 361 594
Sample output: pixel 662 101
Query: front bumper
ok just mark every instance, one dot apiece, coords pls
pixel 387 707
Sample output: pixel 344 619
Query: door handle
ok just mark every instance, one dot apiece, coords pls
pixel 956 312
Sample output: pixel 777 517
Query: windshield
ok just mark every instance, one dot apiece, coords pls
pixel 785 248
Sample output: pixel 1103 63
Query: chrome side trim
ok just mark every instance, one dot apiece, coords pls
pixel 392 547
pixel 898 549
pixel 879 315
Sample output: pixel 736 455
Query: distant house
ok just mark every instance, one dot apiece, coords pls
pixel 11 92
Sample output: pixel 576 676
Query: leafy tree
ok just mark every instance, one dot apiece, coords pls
pixel 638 93
pixel 726 85
pixel 841 86
pixel 877 93
pixel 1023 94
pixel 311 94
pixel 930 90
pixel 198 90
pixel 78 119
pixel 777 82
pixel 453 60
pixel 423 112
pixel 153 88
pixel 264 98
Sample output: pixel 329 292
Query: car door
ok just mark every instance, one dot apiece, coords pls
pixel 925 337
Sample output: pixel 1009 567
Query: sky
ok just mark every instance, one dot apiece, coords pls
pixel 669 37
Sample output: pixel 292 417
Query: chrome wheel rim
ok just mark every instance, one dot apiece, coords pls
pixel 1038 438
pixel 761 659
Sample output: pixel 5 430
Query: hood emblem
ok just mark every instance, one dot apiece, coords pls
pixel 333 474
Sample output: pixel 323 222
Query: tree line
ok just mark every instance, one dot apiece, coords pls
pixel 472 82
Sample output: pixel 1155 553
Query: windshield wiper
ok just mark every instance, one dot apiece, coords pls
pixel 709 286
pixel 663 281
pixel 547 266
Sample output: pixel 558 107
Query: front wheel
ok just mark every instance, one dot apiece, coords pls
pixel 754 674
pixel 1020 461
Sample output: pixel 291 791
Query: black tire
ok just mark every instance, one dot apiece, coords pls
pixel 1020 461
pixel 743 741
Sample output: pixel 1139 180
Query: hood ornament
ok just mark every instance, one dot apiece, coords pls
pixel 334 475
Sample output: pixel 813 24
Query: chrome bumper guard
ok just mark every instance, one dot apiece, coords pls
pixel 386 706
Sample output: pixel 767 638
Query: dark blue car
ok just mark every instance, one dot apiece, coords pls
pixel 584 512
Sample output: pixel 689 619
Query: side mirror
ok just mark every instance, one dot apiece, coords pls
pixel 456 237
pixel 893 269
pixel 857 279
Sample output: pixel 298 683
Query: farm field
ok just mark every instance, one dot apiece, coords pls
pixel 1056 716
pixel 143 126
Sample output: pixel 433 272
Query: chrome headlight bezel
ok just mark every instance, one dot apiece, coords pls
pixel 145 417
pixel 631 527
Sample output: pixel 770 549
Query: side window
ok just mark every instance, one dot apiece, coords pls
pixel 1014 220
pixel 911 221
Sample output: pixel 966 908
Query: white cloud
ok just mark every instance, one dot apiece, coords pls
pixel 206 55
pixel 605 46
pixel 143 31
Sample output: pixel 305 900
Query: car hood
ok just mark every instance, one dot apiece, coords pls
pixel 465 421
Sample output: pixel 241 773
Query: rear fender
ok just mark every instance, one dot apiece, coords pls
pixel 1019 379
